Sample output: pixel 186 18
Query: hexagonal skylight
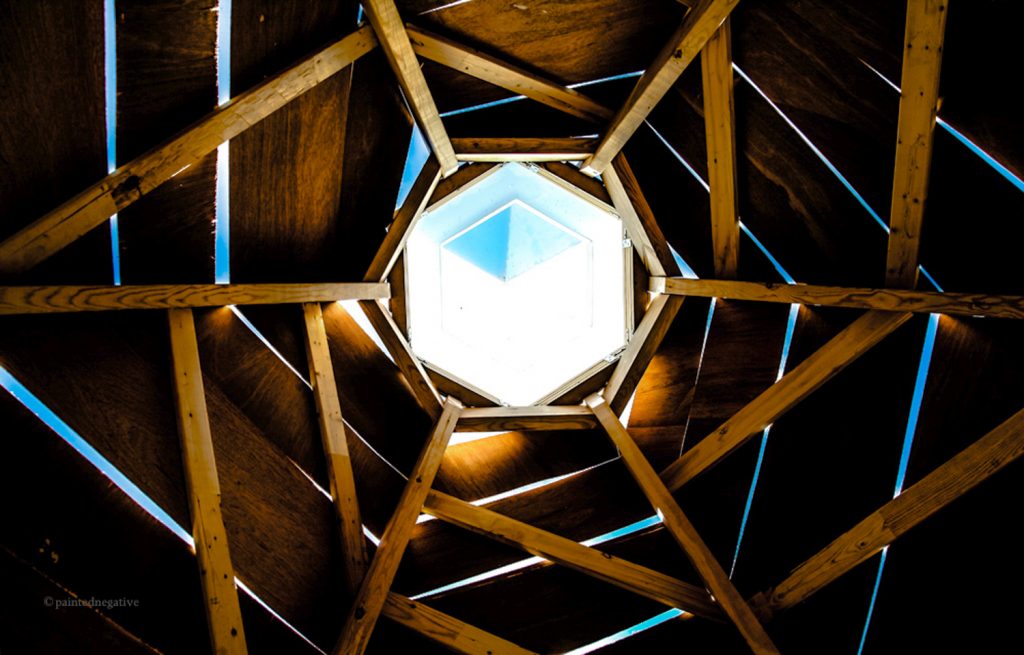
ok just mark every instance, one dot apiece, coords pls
pixel 517 284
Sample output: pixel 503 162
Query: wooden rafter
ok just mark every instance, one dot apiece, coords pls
pixel 469 393
pixel 332 434
pixel 80 214
pixel 638 219
pixel 370 600
pixel 512 78
pixel 58 299
pixel 383 15
pixel 922 61
pixel 776 400
pixel 936 490
pixel 406 360
pixel 464 178
pixel 447 630
pixel 541 543
pixel 720 127
pixel 523 149
pixel 699 25
pixel 490 419
pixel 405 220
pixel 682 530
pixel 223 611
pixel 895 300
pixel 640 351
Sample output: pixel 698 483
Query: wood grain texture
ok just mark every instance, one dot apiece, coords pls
pixel 639 220
pixel 522 149
pixel 211 540
pixel 682 530
pixel 895 300
pixel 491 419
pixel 465 176
pixel 922 61
pixel 585 183
pixel 131 181
pixel 682 48
pixel 369 601
pixel 405 220
pixel 457 635
pixel 48 300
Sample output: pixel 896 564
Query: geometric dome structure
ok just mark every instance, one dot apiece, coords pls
pixel 798 429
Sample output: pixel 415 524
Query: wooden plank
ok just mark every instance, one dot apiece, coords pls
pixel 894 300
pixel 369 602
pixel 919 104
pixel 410 365
pixel 939 488
pixel 779 398
pixel 541 543
pixel 689 39
pixel 332 432
pixel 447 630
pixel 450 384
pixel 640 351
pixel 572 176
pixel 638 218
pixel 466 176
pixel 58 228
pixel 405 220
pixel 575 390
pixel 517 80
pixel 523 149
pixel 720 127
pixel 682 530
pixel 383 15
pixel 211 539
pixel 494 419
pixel 51 300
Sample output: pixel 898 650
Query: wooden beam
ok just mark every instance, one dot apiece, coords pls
pixel 512 78
pixel 499 149
pixel 575 390
pixel 405 220
pixel 541 543
pixel 80 214
pixel 332 434
pixel 859 337
pixel 682 530
pixel 936 490
pixel 922 62
pixel 466 177
pixel 369 602
pixel 450 384
pixel 406 360
pixel 699 25
pixel 638 218
pixel 223 612
pixel 446 630
pixel 51 300
pixel 641 349
pixel 894 300
pixel 383 15
pixel 720 127
pixel 496 419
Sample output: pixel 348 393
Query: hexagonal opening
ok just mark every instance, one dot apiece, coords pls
pixel 517 283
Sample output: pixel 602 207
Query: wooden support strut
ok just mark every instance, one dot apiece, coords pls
pixel 494 419
pixel 501 149
pixel 638 219
pixel 74 218
pixel 223 612
pixel 372 595
pixel 682 530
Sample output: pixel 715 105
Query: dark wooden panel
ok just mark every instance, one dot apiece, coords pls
pixel 166 80
pixel 52 135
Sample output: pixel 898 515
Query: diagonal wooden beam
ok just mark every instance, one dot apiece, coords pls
pixel 640 351
pixel 922 61
pixel 895 300
pixel 499 149
pixel 859 337
pixel 332 434
pixel 446 630
pixel 720 127
pixel 541 543
pixel 223 612
pixel 369 602
pixel 699 25
pixel 512 78
pixel 638 218
pixel 383 15
pixel 682 530
pixel 138 177
pixel 58 299
pixel 466 177
pixel 405 220
pixel 494 419
pixel 406 360
pixel 936 490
